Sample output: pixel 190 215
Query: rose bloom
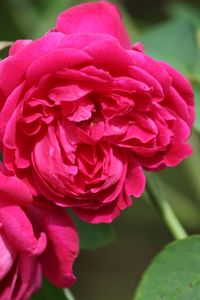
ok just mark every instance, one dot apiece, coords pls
pixel 32 240
pixel 83 112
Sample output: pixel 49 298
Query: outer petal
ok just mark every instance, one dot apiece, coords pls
pixel 100 17
pixel 153 67
pixel 18 45
pixel 183 89
pixel 9 107
pixel 62 248
pixel 135 181
pixel 29 277
pixel 19 230
pixel 7 285
pixel 104 214
pixel 23 279
pixel 7 254
pixel 177 153
pixel 17 64
pixel 13 189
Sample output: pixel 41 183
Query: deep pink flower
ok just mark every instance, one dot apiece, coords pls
pixel 32 240
pixel 84 112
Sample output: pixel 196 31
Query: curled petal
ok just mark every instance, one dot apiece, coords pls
pixel 62 247
pixel 19 230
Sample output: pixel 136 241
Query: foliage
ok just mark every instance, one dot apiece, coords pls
pixel 94 236
pixel 174 273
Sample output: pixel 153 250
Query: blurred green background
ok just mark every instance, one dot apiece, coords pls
pixel 170 30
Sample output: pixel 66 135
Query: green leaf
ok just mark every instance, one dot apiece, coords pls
pixel 49 292
pixel 173 41
pixel 93 236
pixel 174 274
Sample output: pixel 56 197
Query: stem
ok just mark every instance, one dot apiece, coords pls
pixel 168 215
pixel 68 294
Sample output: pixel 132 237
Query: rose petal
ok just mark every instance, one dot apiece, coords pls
pixel 30 275
pixel 18 64
pixel 109 55
pixel 176 154
pixel 7 253
pixel 153 67
pixel 18 45
pixel 52 62
pixel 81 40
pixel 135 179
pixel 70 92
pixel 100 17
pixel 183 90
pixel 19 230
pixel 13 189
pixel 62 247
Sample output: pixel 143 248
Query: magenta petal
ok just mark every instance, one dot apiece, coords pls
pixel 183 89
pixel 62 247
pixel 8 284
pixel 8 82
pixel 108 54
pixel 153 67
pixel 81 40
pixel 70 92
pixel 83 112
pixel 19 230
pixel 30 275
pixel 13 189
pixel 8 108
pixel 135 180
pixel 54 61
pixel 100 17
pixel 177 153
pixel 7 254
pixel 18 45
pixel 9 139
pixel 17 64
pixel 104 214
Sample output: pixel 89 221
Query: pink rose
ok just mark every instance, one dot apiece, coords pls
pixel 84 112
pixel 32 240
